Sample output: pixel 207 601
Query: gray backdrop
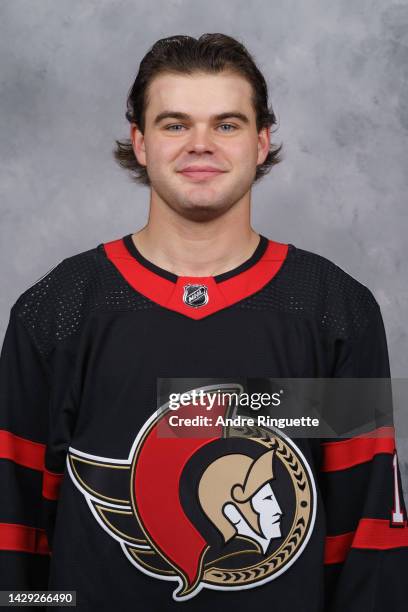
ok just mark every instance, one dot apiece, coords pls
pixel 338 78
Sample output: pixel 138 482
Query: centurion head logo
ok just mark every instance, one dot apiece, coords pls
pixel 235 493
pixel 229 510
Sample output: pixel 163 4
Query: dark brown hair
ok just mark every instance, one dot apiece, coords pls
pixel 211 53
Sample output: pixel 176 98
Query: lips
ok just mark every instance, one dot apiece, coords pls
pixel 277 519
pixel 201 174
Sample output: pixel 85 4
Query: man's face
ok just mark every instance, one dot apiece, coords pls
pixel 266 505
pixel 230 144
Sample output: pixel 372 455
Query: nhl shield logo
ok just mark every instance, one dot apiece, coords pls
pixel 195 295
pixel 230 511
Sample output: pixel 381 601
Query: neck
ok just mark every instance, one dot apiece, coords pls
pixel 190 248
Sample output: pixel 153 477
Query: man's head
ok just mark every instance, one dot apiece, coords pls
pixel 236 495
pixel 198 103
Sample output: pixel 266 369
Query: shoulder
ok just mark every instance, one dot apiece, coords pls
pixel 313 285
pixel 69 276
pixel 54 306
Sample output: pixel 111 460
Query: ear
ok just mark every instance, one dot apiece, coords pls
pixel 233 514
pixel 138 144
pixel 264 141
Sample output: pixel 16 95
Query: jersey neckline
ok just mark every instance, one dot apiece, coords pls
pixel 196 297
pixel 171 276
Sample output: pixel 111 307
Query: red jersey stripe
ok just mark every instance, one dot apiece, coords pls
pixel 23 539
pixel 31 455
pixel 378 534
pixel 372 534
pixel 22 451
pixel 337 547
pixel 51 485
pixel 347 453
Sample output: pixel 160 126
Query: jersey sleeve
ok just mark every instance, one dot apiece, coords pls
pixel 25 485
pixel 366 549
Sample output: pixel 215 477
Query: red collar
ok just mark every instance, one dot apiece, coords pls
pixel 196 296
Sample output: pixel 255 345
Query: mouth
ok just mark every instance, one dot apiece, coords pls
pixel 201 175
pixel 276 518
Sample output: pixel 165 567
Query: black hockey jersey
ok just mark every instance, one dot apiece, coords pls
pixel 103 496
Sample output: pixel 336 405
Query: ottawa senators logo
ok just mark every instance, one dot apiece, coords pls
pixel 229 510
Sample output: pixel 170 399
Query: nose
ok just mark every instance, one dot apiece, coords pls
pixel 276 507
pixel 200 140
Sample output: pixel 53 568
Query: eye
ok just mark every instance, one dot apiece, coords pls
pixel 168 127
pixel 179 125
pixel 228 125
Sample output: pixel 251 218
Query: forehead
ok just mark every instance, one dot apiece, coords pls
pixel 198 94
pixel 265 490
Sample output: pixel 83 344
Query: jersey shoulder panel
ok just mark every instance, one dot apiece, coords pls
pixel 55 307
pixel 310 285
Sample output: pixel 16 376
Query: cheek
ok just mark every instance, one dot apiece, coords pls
pixel 267 508
pixel 158 152
pixel 243 155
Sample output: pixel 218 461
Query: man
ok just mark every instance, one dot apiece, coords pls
pixel 103 495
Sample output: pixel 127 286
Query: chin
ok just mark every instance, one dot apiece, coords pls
pixel 275 532
pixel 200 215
pixel 201 211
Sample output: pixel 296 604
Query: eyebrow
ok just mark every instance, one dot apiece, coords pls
pixel 166 114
